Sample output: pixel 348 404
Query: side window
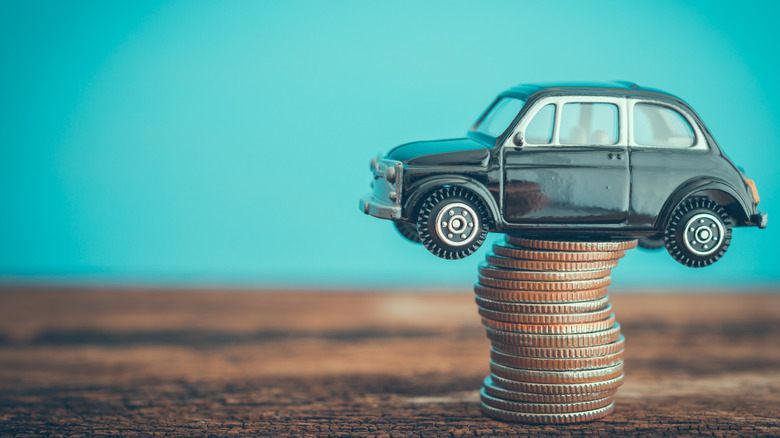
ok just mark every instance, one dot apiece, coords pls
pixel 589 123
pixel 540 130
pixel 656 125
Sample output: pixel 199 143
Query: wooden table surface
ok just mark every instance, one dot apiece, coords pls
pixel 238 363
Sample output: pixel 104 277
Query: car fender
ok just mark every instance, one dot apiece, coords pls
pixel 692 187
pixel 422 188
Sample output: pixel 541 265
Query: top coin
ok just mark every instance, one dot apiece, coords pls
pixel 506 249
pixel 572 245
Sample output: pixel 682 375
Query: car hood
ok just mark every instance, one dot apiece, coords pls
pixel 456 151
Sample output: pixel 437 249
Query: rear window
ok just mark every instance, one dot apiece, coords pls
pixel 656 125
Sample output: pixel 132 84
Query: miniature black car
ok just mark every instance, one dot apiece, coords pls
pixel 570 160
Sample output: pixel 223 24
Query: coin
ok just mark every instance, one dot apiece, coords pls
pixel 555 341
pixel 544 318
pixel 542 408
pixel 543 308
pixel 529 296
pixel 556 388
pixel 507 394
pixel 545 285
pixel 551 329
pixel 558 377
pixel 488 270
pixel 548 266
pixel 575 417
pixel 561 353
pixel 507 250
pixel 572 245
pixel 556 350
pixel 562 364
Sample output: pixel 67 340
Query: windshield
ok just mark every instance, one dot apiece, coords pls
pixel 500 116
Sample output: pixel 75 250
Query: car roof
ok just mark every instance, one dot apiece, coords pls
pixel 623 88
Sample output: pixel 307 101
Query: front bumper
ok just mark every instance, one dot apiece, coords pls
pixel 383 210
pixel 384 200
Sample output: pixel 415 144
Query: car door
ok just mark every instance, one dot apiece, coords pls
pixel 667 149
pixel 572 167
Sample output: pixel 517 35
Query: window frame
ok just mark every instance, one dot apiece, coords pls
pixel 559 101
pixel 699 141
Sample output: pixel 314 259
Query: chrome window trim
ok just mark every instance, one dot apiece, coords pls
pixel 559 101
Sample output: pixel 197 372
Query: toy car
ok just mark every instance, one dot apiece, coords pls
pixel 576 160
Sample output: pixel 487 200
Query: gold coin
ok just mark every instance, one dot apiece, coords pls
pixel 574 417
pixel 543 308
pixel 561 353
pixel 546 318
pixel 556 377
pixel 557 389
pixel 545 285
pixel 548 266
pixel 555 341
pixel 515 274
pixel 507 250
pixel 551 329
pixel 572 245
pixel 562 364
pixel 542 408
pixel 499 392
pixel 527 296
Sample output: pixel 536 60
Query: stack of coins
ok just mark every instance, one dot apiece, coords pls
pixel 557 352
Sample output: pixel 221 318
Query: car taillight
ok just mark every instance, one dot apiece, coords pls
pixel 752 188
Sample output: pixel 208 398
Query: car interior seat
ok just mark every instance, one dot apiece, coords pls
pixel 600 137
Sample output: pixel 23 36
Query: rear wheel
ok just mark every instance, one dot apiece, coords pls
pixel 699 232
pixel 452 223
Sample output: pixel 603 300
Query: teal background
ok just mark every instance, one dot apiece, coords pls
pixel 227 143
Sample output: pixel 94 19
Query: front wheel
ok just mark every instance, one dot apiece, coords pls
pixel 452 223
pixel 699 232
pixel 653 242
pixel 409 231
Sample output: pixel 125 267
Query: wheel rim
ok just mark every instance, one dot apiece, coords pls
pixel 457 224
pixel 703 234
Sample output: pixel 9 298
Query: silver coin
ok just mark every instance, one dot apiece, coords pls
pixel 556 388
pixel 542 408
pixel 563 286
pixel 561 353
pixel 556 377
pixel 555 341
pixel 521 417
pixel 541 308
pixel 546 318
pixel 556 364
pixel 508 394
pixel 552 329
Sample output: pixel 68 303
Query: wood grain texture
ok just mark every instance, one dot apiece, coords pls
pixel 211 363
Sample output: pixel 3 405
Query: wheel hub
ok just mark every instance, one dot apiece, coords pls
pixel 703 234
pixel 457 224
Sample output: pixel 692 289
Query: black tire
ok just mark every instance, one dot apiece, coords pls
pixel 652 242
pixel 464 212
pixel 409 231
pixel 699 232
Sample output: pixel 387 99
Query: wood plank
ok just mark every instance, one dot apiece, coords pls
pixel 180 363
